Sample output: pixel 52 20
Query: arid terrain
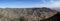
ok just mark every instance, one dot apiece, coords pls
pixel 27 14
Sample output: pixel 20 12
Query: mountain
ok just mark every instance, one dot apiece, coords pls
pixel 26 14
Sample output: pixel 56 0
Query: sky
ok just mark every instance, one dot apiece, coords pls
pixel 29 3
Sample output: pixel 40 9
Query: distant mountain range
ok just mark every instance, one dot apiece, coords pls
pixel 57 8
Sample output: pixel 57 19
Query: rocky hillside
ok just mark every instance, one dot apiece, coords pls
pixel 26 14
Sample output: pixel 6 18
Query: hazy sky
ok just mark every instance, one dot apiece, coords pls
pixel 29 3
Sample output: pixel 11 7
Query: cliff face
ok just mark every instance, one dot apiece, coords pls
pixel 26 14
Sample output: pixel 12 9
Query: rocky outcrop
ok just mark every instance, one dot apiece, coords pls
pixel 26 14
